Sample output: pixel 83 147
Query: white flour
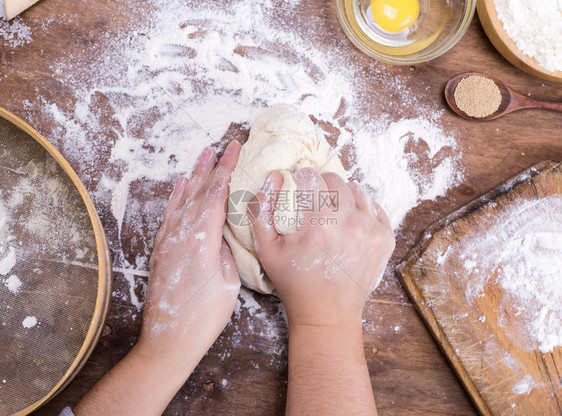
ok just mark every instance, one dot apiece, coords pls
pixel 391 169
pixel 7 251
pixel 29 322
pixel 525 252
pixel 8 262
pixel 13 283
pixel 535 27
pixel 29 233
pixel 2 10
pixel 199 72
pixel 14 33
pixel 523 386
pixel 532 272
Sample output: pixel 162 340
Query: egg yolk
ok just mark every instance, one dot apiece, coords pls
pixel 395 15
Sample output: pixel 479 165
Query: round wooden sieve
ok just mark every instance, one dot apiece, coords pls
pixel 55 270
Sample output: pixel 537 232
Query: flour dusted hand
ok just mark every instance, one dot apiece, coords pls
pixel 284 139
pixel 325 272
pixel 191 295
pixel 193 284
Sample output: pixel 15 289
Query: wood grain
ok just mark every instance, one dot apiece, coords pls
pixel 410 376
pixel 482 340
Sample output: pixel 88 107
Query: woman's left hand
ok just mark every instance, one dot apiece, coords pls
pixel 193 283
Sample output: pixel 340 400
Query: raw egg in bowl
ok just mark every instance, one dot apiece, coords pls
pixel 405 31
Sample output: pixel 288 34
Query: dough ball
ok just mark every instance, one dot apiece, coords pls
pixel 282 138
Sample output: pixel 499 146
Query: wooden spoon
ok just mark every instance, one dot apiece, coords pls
pixel 511 100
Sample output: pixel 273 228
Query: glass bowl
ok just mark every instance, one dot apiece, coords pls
pixel 440 25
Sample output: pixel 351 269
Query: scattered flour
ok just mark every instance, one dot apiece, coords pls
pixel 8 262
pixel 532 272
pixel 469 265
pixel 535 27
pixel 13 283
pixel 14 33
pixel 7 251
pixel 29 322
pixel 394 172
pixel 129 275
pixel 525 385
pixel 195 73
pixel 260 328
pixel 524 251
pixel 8 259
pixel 441 258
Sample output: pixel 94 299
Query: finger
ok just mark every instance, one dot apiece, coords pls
pixel 216 192
pixel 362 199
pixel 228 265
pixel 309 179
pixel 309 184
pixel 173 205
pixel 339 193
pixel 382 217
pixel 383 251
pixel 215 195
pixel 201 172
pixel 177 196
pixel 226 154
pixel 261 210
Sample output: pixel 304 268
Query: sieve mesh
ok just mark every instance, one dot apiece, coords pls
pixel 44 223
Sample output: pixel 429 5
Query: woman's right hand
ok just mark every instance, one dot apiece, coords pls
pixel 324 272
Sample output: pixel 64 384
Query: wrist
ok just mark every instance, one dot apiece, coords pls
pixel 347 333
pixel 152 358
pixel 338 323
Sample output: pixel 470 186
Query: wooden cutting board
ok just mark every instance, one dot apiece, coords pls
pixel 486 281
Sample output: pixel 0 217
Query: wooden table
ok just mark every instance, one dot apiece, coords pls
pixel 409 374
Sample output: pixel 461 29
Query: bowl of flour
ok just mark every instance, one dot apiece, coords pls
pixel 528 33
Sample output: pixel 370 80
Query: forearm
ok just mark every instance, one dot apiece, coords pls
pixel 328 373
pixel 138 385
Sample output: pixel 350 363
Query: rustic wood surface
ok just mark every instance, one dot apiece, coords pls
pixel 485 340
pixel 410 376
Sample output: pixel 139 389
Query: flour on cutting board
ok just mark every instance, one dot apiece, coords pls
pixel 198 73
pixel 524 252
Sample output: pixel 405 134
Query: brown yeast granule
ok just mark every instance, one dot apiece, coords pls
pixel 477 96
